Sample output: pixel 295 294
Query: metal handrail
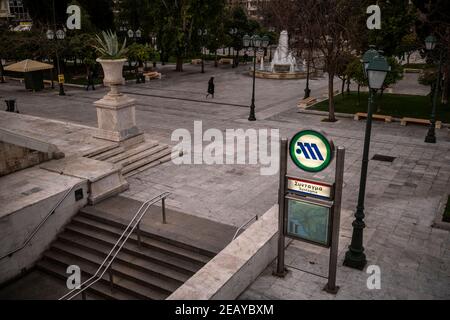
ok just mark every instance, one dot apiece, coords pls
pixel 244 225
pixel 43 221
pixel 107 262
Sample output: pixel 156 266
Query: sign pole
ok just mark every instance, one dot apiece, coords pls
pixel 281 269
pixel 331 285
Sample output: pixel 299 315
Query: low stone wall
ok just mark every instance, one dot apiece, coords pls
pixel 18 225
pixel 229 273
pixel 14 158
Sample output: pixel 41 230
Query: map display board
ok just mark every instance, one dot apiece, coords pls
pixel 308 221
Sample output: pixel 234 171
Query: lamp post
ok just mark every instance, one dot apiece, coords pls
pixel 153 39
pixel 430 45
pixel 60 35
pixel 375 70
pixel 233 32
pixel 307 90
pixel 135 35
pixel 202 33
pixel 255 42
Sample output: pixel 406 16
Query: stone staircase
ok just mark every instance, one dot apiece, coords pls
pixel 166 258
pixel 133 159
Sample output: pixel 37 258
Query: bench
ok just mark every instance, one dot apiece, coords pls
pixel 405 121
pixel 152 75
pixel 412 70
pixel 360 115
pixel 196 61
pixel 306 102
pixel 226 61
pixel 335 93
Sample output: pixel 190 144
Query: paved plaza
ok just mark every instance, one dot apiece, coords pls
pixel 402 197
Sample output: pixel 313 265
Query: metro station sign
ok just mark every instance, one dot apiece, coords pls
pixel 311 151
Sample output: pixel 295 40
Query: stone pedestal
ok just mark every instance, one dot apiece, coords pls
pixel 116 117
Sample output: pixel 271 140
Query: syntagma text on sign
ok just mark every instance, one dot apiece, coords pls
pixel 311 188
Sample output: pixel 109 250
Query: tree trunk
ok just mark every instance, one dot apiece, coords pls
pixel 179 66
pixel 331 115
pixel 162 57
pixel 2 71
pixel 215 60
pixel 446 87
pixel 359 96
pixel 348 86
pixel 343 88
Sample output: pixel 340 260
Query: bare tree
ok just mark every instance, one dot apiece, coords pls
pixel 332 25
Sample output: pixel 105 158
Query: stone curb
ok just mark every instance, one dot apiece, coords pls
pixel 348 115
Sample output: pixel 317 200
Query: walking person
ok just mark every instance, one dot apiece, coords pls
pixel 211 88
pixel 90 79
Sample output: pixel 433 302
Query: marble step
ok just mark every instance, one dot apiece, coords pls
pixel 152 243
pixel 108 154
pixel 142 155
pixel 125 271
pixel 100 288
pixel 148 166
pixel 127 258
pixel 138 164
pixel 131 152
pixel 182 265
pixel 124 284
pixel 92 153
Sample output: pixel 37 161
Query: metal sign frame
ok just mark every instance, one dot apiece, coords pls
pixel 334 205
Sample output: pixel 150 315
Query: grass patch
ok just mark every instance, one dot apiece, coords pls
pixel 396 105
pixel 446 216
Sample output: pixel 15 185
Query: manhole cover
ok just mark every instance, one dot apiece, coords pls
pixel 380 157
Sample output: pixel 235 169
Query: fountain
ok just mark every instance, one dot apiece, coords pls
pixel 283 61
pixel 284 64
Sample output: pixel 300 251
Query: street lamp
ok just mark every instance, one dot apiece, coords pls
pixel 367 58
pixel 134 34
pixel 255 42
pixel 307 90
pixel 153 39
pixel 430 42
pixel 202 33
pixel 430 45
pixel 60 34
pixel 233 32
pixel 376 71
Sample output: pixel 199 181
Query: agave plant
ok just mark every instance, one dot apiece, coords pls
pixel 108 47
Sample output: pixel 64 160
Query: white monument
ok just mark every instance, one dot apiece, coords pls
pixel 283 60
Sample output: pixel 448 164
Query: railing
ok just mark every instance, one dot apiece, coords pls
pixel 108 261
pixel 39 226
pixel 243 226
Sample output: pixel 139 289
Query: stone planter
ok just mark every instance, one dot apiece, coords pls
pixel 113 71
pixel 116 113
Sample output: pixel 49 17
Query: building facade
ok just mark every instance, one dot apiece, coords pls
pixel 4 9
pixel 250 6
pixel 18 12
